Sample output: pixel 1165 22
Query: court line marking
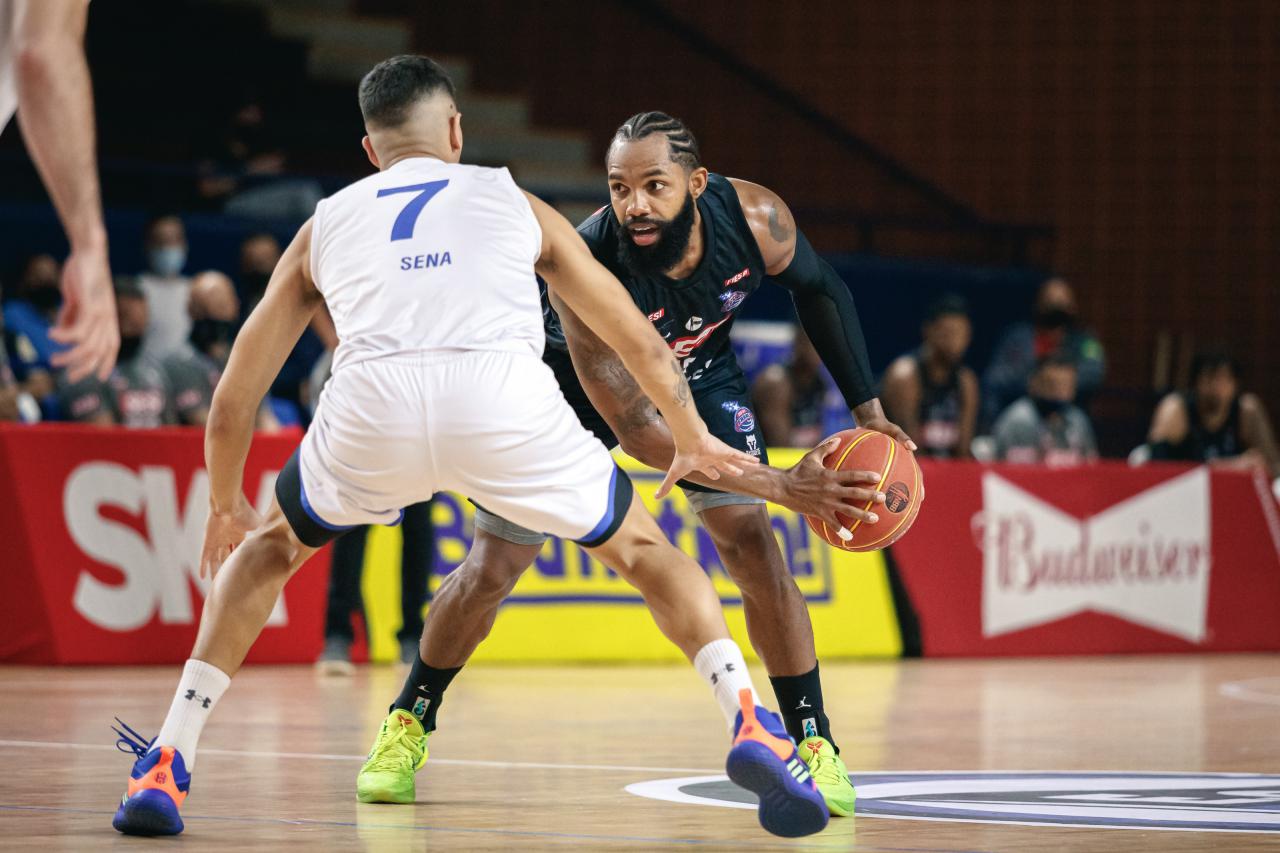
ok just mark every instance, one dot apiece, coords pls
pixel 322 756
pixel 841 843
pixel 1242 690
pixel 670 790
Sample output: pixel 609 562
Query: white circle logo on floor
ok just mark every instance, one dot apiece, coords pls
pixel 1203 802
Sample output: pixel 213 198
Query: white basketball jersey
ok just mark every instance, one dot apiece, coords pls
pixel 429 257
pixel 8 49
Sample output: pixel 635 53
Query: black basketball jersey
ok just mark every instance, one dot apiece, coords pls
pixel 1205 445
pixel 939 411
pixel 694 314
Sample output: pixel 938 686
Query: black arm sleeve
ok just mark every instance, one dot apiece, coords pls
pixel 830 319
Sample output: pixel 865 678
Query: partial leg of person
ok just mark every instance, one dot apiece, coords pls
pixel 781 632
pixel 346 566
pixel 417 556
pixel 244 591
pixel 461 615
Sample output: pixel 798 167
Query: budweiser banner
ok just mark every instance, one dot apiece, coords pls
pixel 1105 558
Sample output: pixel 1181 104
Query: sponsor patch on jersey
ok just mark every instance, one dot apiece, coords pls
pixel 734 279
pixel 657 315
pixel 743 420
pixel 731 299
pixel 1203 802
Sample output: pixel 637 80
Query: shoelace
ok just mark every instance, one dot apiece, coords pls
pixel 396 750
pixel 131 742
pixel 826 770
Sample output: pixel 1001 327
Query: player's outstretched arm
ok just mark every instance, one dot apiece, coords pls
pixel 808 487
pixel 602 302
pixel 257 355
pixel 823 303
pixel 55 113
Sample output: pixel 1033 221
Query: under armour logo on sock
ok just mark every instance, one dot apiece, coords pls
pixel 803 704
pixel 204 701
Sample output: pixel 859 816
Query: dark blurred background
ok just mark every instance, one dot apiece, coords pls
pixel 925 147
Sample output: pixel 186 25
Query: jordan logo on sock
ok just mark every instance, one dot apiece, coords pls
pixel 204 701
pixel 803 704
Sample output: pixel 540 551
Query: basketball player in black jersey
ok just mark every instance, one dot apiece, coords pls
pixel 1214 421
pixel 690 246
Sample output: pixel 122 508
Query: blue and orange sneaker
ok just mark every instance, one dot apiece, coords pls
pixel 157 786
pixel 764 760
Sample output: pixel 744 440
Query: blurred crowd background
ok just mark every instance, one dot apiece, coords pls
pixel 1058 220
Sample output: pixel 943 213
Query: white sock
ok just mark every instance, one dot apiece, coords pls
pixel 720 663
pixel 199 689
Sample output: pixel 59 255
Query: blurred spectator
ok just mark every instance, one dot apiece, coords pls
pixel 165 288
pixel 1054 328
pixel 291 392
pixel 259 254
pixel 28 317
pixel 193 372
pixel 1046 426
pixel 246 175
pixel 791 399
pixel 8 387
pixel 929 392
pixel 1215 422
pixel 137 393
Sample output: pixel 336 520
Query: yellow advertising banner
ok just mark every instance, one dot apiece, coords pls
pixel 569 608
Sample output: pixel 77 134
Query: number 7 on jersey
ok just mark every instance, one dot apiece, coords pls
pixel 403 227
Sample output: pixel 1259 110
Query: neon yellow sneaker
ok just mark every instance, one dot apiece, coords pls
pixel 397 754
pixel 828 770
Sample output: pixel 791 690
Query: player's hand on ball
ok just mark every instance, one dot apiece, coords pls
pixel 814 489
pixel 870 415
pixel 223 532
pixel 709 455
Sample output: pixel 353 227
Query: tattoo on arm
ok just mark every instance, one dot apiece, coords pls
pixel 680 392
pixel 781 227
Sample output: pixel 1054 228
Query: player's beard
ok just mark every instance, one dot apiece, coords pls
pixel 667 251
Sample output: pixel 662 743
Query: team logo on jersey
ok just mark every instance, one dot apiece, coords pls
pixel 684 347
pixel 731 299
pixel 694 324
pixel 752 447
pixel 657 315
pixel 743 420
pixel 1204 802
pixel 734 279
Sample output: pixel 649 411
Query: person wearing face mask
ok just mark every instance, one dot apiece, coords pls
pixel 137 393
pixel 1046 426
pixel 1055 328
pixel 291 391
pixel 193 372
pixel 165 288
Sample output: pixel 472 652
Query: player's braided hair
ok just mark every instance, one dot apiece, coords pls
pixel 684 148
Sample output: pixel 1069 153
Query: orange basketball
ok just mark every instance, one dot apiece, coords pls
pixel 900 480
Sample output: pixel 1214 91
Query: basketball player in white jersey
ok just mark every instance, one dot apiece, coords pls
pixel 428 269
pixel 44 79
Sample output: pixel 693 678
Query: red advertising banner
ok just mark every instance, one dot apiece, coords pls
pixel 1019 560
pixel 100 535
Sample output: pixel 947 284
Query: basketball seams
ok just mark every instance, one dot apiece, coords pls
pixel 893 452
pixel 910 516
pixel 826 528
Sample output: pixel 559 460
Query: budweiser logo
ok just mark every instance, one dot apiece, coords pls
pixel 1145 559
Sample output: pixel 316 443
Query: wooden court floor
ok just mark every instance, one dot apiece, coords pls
pixel 541 758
